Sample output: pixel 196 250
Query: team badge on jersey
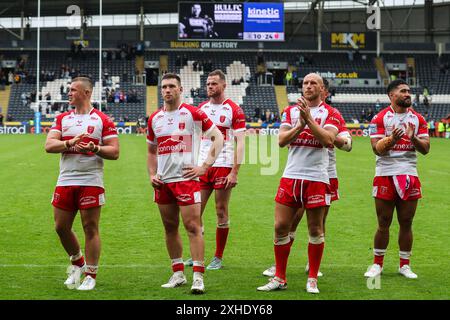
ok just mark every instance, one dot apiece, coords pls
pixel 181 125
pixel 222 119
pixel 90 129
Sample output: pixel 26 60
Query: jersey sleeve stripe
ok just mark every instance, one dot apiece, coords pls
pixel 57 130
pixel 331 125
pixel 377 136
pixel 151 142
pixel 286 125
pixel 110 136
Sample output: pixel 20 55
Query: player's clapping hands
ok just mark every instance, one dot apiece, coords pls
pixel 397 134
pixel 85 147
pixel 304 109
pixel 410 130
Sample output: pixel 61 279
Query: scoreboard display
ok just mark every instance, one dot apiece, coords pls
pixel 231 21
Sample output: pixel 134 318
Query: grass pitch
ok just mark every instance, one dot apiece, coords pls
pixel 134 261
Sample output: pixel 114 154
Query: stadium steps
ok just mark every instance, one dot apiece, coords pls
pixel 140 64
pixel 282 99
pixel 152 99
pixel 4 100
pixel 410 61
pixel 381 68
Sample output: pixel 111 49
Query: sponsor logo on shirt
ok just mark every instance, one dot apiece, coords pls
pixel 90 129
pixel 174 144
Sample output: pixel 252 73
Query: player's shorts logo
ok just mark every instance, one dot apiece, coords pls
pixel 56 197
pixel 281 193
pixel 90 129
pixel 184 197
pixel 88 200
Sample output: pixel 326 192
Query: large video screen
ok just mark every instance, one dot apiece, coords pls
pixel 231 21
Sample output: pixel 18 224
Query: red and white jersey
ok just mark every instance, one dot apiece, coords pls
pixel 342 132
pixel 307 158
pixel 83 169
pixel 402 158
pixel 229 118
pixel 177 135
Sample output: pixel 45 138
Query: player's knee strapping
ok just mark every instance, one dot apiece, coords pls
pixel 224 225
pixel 279 241
pixel 317 240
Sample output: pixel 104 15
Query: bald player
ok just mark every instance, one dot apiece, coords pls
pixel 309 128
pixel 84 137
pixel 343 142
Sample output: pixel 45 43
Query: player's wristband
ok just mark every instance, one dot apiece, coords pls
pixel 65 145
pixel 98 149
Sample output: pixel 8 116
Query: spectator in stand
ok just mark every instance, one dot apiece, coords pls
pixel 10 78
pixel 9 117
pixel 369 115
pixel 288 78
pixel 426 97
pixel 431 128
pixel 441 128
pixel 1 119
pixel 257 114
pixel 447 128
pixel 377 106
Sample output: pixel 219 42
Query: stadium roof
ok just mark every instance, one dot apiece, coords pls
pixel 13 8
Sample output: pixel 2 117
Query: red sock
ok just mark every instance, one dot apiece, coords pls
pixel 221 241
pixel 315 252
pixel 379 260
pixel 91 270
pixel 403 262
pixel 79 262
pixel 281 259
pixel 178 267
pixel 200 269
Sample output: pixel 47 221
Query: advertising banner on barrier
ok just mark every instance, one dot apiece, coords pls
pixel 359 130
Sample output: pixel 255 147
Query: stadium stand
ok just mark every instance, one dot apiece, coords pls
pixel 240 68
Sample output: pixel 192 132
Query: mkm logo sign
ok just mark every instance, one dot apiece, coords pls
pixel 348 40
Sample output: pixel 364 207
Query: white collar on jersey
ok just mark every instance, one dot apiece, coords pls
pixel 81 114
pixel 400 114
pixel 165 110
